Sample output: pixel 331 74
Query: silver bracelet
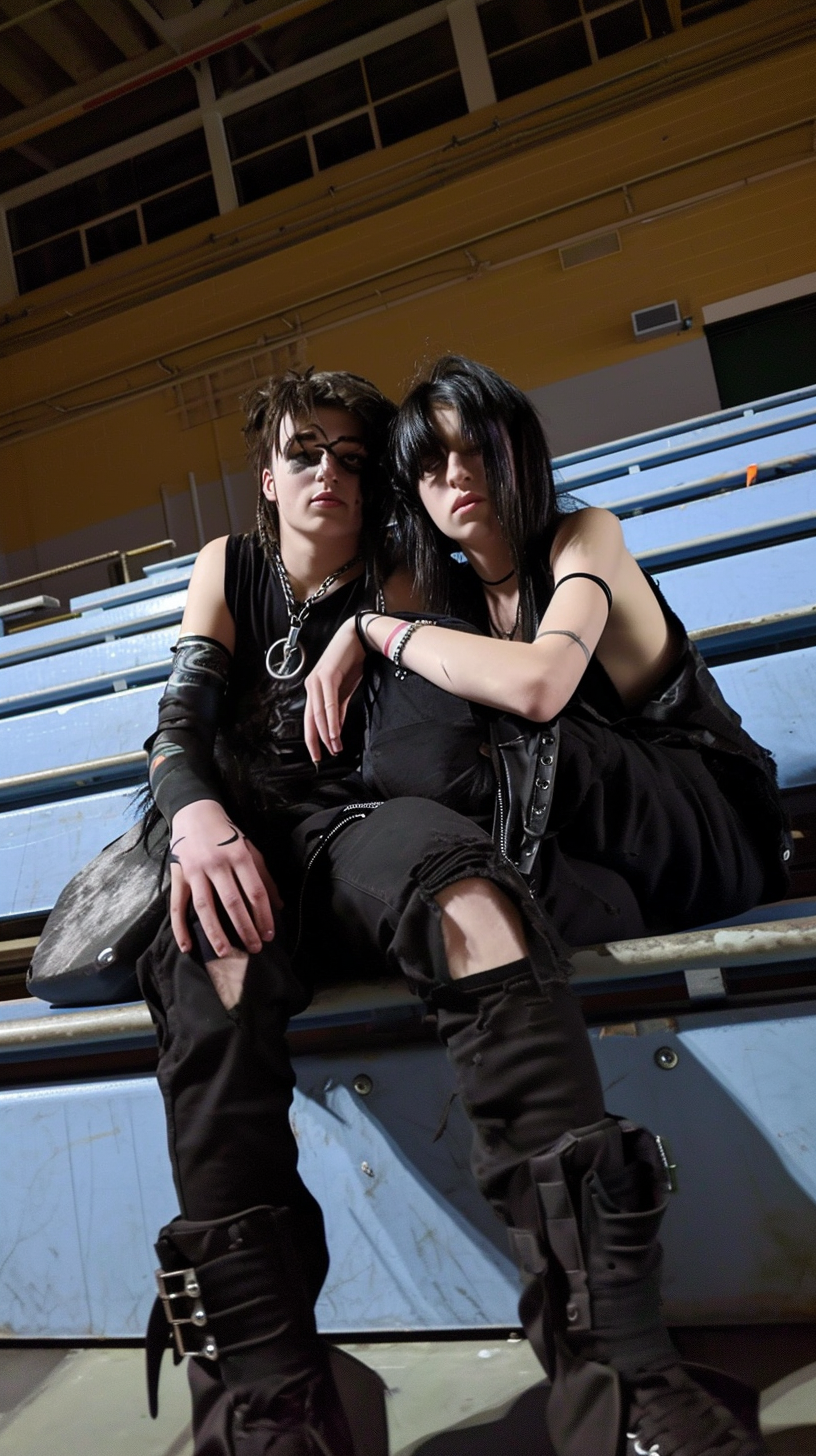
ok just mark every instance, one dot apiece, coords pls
pixel 565 632
pixel 399 671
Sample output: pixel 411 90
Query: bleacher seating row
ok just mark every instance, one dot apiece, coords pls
pixel 709 1037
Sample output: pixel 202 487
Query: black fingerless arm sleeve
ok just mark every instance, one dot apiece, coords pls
pixel 180 753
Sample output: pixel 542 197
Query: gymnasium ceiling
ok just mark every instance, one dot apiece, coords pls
pixel 61 59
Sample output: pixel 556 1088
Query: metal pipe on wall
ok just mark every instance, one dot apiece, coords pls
pixel 199 524
pixel 465 275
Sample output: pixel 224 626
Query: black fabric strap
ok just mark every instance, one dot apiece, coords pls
pixel 359 625
pixel 180 752
pixel 586 576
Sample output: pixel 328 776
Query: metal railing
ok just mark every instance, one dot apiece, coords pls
pixel 122 557
pixel 688 951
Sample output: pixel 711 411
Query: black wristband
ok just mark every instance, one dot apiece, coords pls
pixel 359 628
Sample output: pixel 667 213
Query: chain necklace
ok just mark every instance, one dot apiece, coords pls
pixel 288 649
pixel 498 631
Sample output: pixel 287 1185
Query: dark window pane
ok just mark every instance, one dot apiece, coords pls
pixel 16 169
pixel 104 191
pixel 309 35
pixel 409 61
pixel 348 139
pixel 542 60
pixel 175 162
pixel 65 208
pixel 258 127
pixel 692 11
pixel 52 260
pixel 121 119
pixel 114 236
pixel 177 210
pixel 108 190
pixel 332 95
pixel 618 29
pixel 41 218
pixel 297 110
pixel 273 171
pixel 421 109
pixel 506 21
pixel 657 14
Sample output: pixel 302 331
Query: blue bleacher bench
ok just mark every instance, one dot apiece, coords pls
pixel 709 1036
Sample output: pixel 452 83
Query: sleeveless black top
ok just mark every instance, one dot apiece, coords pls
pixel 260 750
pixel 685 710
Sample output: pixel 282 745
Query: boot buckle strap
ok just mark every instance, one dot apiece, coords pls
pixel 180 1295
pixel 578 1309
pixel 527 1251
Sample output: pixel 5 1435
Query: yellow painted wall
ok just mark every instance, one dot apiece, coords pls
pixel 527 317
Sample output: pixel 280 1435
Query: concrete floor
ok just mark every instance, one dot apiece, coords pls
pixel 453 1398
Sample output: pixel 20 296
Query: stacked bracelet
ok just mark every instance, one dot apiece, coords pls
pixel 391 638
pixel 405 637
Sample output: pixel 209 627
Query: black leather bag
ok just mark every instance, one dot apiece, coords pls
pixel 103 920
pixel 494 767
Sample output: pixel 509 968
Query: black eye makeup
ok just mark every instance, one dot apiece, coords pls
pixel 303 452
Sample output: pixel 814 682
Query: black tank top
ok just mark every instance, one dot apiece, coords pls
pixel 685 710
pixel 260 750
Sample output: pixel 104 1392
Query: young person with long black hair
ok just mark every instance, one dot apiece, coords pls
pixel 229 771
pixel 580 704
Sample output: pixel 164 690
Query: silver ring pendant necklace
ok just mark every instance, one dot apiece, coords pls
pixel 285 659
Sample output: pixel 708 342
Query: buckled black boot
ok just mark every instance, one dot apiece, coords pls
pixel 583 1209
pixel 232 1294
pixel 618 1383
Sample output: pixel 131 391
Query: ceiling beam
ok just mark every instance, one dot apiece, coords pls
pixel 119 24
pixel 20 78
pixel 215 36
pixel 171 9
pixel 58 39
pixel 151 16
pixel 36 157
pixel 32 10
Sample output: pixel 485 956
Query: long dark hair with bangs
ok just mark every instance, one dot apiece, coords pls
pixel 498 420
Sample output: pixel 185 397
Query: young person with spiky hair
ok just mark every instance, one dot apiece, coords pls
pixel 242 1266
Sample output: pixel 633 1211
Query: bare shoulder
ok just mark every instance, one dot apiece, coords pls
pixel 590 526
pixel 589 540
pixel 206 613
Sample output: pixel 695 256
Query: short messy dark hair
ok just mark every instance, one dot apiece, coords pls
pixel 497 419
pixel 298 396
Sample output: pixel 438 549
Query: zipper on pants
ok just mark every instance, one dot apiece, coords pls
pixel 349 816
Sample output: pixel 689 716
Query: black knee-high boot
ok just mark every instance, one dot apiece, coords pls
pixel 236 1298
pixel 583 1195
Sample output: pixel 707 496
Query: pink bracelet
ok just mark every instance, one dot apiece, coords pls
pixel 392 634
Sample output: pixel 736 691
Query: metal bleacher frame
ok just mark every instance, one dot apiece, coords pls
pixel 686 1025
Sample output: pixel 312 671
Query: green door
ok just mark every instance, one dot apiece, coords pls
pixel 765 352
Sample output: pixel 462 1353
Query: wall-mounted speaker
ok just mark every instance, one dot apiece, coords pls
pixel 663 318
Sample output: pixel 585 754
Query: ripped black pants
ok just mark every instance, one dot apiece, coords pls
pixel 643 841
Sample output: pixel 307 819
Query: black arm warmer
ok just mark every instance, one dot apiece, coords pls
pixel 180 752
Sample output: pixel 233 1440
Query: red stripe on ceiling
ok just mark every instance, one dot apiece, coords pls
pixel 179 64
